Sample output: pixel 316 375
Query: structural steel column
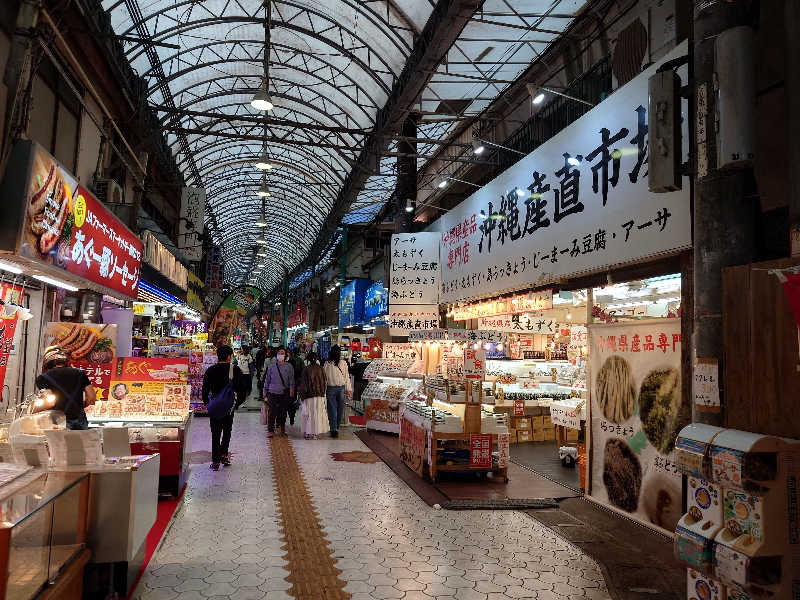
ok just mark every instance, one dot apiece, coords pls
pixel 724 232
pixel 406 188
pixel 18 72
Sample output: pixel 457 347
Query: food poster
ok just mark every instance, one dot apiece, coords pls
pixel 637 410
pixel 229 314
pixel 66 226
pixel 147 388
pixel 412 445
pixel 90 347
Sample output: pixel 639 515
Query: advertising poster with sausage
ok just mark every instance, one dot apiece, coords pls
pixel 64 225
pixel 90 347
pixel 148 388
pixel 637 410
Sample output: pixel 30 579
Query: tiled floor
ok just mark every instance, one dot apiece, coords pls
pixel 225 542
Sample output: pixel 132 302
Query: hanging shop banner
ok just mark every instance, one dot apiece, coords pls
pixel 475 364
pixel 194 291
pixel 376 301
pixel 351 302
pixel 637 411
pixel 191 225
pixel 8 327
pixel 427 335
pixel 524 323
pixel 147 388
pixel 578 203
pixel 230 313
pixel 215 270
pixel 476 335
pixel 90 347
pixel 298 316
pixel 520 303
pixel 51 219
pixel 406 318
pixel 395 351
pixel 415 268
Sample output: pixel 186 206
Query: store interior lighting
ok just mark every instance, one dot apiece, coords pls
pixel 9 268
pixel 56 282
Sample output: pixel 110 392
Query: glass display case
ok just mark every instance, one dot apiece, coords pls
pixel 42 528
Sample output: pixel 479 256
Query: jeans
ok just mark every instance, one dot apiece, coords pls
pixel 78 423
pixel 220 437
pixel 278 405
pixel 334 394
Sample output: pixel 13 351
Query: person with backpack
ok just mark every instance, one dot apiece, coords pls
pixel 71 387
pixel 279 390
pixel 217 377
pixel 337 375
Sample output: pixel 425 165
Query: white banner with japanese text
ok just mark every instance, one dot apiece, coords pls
pixel 405 318
pixel 191 225
pixel 637 410
pixel 578 203
pixel 415 268
pixel 524 323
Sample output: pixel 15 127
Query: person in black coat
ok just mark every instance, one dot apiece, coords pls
pixel 214 381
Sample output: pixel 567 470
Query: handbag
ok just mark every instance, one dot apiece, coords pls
pixel 221 404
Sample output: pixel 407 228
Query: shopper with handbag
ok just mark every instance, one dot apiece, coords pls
pixel 279 390
pixel 337 376
pixel 224 390
pixel 311 390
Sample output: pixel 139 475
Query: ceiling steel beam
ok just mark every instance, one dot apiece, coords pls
pixel 445 24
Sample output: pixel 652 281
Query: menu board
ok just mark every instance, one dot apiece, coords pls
pixel 147 388
pixel 90 347
pixel 415 268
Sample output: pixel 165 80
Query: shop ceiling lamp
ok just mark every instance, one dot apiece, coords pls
pixel 261 99
pixel 409 205
pixel 477 146
pixel 481 143
pixel 446 179
pixel 537 93
pixel 56 282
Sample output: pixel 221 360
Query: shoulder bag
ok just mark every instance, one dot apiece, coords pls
pixel 222 403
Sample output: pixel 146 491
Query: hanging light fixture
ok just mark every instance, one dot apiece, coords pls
pixel 262 222
pixel 261 99
pixel 261 241
pixel 477 146
pixel 263 163
pixel 263 190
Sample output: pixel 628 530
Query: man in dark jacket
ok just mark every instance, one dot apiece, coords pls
pixel 214 381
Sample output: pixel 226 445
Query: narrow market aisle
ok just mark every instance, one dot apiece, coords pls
pixel 381 538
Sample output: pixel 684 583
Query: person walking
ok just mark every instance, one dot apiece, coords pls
pixel 71 387
pixel 279 390
pixel 214 381
pixel 337 377
pixel 311 390
pixel 262 364
pixel 247 365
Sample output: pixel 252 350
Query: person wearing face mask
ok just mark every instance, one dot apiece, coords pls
pixel 279 390
pixel 337 376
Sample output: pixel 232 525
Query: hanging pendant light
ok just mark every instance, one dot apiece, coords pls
pixel 263 190
pixel 263 163
pixel 261 99
pixel 262 241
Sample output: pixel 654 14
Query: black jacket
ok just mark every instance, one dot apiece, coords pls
pixel 216 378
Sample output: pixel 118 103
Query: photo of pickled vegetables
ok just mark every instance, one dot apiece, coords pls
pixel 616 390
pixel 661 408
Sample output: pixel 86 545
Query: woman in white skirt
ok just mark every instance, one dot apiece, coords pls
pixel 314 412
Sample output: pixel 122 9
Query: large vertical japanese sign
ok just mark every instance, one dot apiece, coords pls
pixel 578 203
pixel 50 218
pixel 637 410
pixel 190 228
pixel 415 268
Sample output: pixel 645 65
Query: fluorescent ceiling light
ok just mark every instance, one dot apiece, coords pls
pixel 477 146
pixel 573 161
pixel 10 268
pixel 443 184
pixel 56 282
pixel 538 98
pixel 261 100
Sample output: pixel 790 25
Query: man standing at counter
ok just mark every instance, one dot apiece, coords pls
pixel 214 380
pixel 70 386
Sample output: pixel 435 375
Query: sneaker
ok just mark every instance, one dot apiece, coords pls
pixel 334 434
pixel 214 466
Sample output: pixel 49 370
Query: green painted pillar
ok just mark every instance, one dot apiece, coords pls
pixel 285 311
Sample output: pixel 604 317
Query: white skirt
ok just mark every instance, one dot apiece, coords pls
pixel 314 416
